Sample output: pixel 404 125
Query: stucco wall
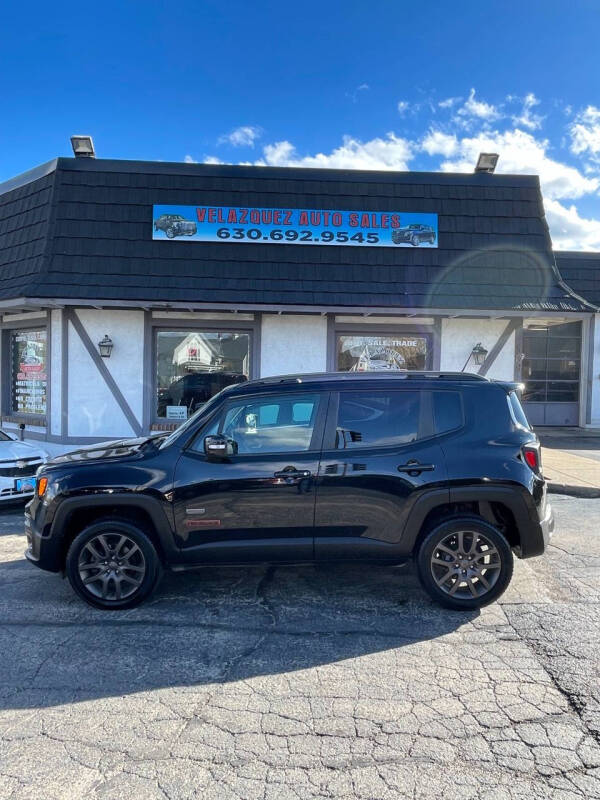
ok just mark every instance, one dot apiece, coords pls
pixel 594 373
pixel 293 343
pixel 459 336
pixel 55 334
pixel 93 411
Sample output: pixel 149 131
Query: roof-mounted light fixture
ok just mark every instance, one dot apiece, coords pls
pixel 486 162
pixel 83 147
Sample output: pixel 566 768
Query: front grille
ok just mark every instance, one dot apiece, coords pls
pixel 14 493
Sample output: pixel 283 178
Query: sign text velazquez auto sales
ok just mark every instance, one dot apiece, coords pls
pixel 235 224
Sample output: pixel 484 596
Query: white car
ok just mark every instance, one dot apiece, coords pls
pixel 18 464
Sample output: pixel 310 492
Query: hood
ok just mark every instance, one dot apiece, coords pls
pixel 12 451
pixel 118 448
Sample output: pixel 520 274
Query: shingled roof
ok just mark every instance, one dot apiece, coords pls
pixel 81 230
pixel 581 271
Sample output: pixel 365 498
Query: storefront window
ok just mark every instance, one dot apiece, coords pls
pixel 28 372
pixel 192 366
pixel 365 353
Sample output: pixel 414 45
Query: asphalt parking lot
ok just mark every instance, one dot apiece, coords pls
pixel 329 682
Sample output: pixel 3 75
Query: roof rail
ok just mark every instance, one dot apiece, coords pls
pixel 387 374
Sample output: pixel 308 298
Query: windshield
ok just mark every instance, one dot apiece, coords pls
pixel 4 437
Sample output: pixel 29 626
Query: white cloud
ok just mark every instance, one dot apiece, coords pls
pixel 403 107
pixel 363 87
pixel 527 118
pixel 388 153
pixel 244 136
pixel 569 230
pixel 189 159
pixel 449 102
pixel 439 143
pixel 479 109
pixel 585 133
pixel 520 152
pixel 212 160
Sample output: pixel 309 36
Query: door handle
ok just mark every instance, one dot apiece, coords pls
pixel 293 473
pixel 414 468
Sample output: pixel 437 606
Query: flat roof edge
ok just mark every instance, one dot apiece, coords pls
pixel 291 173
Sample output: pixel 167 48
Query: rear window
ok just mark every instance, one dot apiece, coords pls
pixel 517 410
pixel 447 411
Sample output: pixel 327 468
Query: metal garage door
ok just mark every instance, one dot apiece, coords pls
pixel 551 372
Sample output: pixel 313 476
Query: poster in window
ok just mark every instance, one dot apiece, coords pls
pixel 29 378
pixel 377 353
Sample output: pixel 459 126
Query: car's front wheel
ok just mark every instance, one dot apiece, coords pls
pixel 171 232
pixel 112 564
pixel 465 563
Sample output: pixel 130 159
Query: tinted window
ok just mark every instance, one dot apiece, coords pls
pixel 378 418
pixel 517 409
pixel 280 424
pixel 447 411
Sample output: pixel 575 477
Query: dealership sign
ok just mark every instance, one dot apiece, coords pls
pixel 294 226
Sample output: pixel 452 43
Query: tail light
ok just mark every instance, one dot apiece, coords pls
pixel 532 457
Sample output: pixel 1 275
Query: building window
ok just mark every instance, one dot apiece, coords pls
pixel 28 371
pixel 551 363
pixel 361 353
pixel 192 366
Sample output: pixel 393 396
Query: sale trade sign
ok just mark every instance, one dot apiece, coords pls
pixel 295 226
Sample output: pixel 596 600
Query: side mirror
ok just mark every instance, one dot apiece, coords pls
pixel 219 446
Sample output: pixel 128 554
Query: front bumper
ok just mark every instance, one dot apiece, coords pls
pixel 41 550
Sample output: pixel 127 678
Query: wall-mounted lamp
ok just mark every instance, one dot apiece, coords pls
pixel 105 346
pixel 478 354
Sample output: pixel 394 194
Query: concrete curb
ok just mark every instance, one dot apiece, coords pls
pixel 588 492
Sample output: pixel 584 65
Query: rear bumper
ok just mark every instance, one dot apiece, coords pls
pixel 536 537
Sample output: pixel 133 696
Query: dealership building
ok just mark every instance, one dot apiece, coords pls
pixel 131 291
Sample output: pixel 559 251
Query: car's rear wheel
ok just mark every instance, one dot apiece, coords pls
pixel 113 564
pixel 465 563
pixel 414 240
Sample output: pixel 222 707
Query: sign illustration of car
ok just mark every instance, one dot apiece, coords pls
pixel 416 234
pixel 175 225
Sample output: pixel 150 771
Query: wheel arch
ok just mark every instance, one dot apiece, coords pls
pixel 501 506
pixel 75 514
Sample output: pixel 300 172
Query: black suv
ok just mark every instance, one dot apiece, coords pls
pixel 439 468
pixel 415 234
pixel 175 225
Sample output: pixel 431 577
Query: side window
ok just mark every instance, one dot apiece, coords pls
pixel 447 411
pixel 277 424
pixel 378 418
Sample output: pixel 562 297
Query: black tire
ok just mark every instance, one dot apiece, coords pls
pixel 497 572
pixel 113 530
pixel 397 237
pixel 171 233
pixel 414 240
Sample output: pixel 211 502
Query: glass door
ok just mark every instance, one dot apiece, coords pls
pixel 551 372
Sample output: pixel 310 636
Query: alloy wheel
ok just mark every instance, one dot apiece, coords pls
pixel 111 566
pixel 465 565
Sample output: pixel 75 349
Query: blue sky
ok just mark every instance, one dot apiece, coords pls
pixel 377 85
